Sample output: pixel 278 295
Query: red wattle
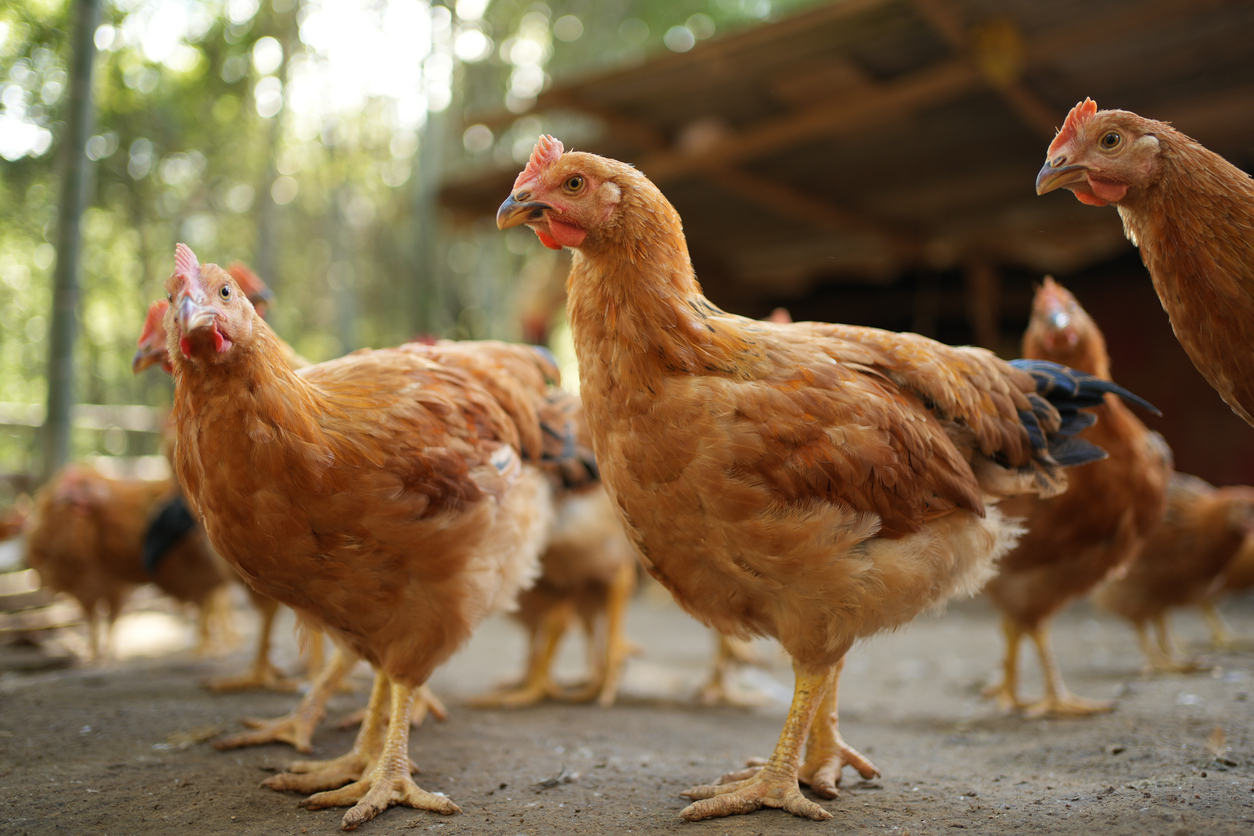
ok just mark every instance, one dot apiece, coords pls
pixel 185 346
pixel 547 240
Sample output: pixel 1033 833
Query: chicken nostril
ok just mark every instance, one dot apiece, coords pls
pixel 1058 161
pixel 522 197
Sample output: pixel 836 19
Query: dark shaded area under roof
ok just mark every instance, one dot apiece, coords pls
pixel 867 138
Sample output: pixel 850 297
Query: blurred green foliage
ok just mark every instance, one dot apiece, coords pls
pixel 290 135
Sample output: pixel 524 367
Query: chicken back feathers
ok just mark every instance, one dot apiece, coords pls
pixel 808 481
pixel 384 495
pixel 1191 213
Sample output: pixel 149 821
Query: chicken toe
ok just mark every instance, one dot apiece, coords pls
pixel 775 784
pixel 388 781
pixel 827 754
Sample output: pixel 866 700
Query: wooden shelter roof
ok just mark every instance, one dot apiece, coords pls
pixel 863 139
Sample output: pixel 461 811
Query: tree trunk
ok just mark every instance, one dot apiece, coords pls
pixel 74 188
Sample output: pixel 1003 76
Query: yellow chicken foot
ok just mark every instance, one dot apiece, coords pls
pixel 1058 701
pixel 775 785
pixel 313 776
pixel 537 684
pixel 827 754
pixel 1006 692
pixel 388 780
pixel 263 673
pixel 296 728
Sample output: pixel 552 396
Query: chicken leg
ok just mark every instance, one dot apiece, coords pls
pixel 297 727
pixel 1057 700
pixel 1006 692
pixel 263 673
pixel 827 754
pixel 387 781
pixel 609 651
pixel 775 784
pixel 730 654
pixel 313 776
pixel 1160 656
pixel 537 683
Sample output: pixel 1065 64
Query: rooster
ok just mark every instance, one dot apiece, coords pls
pixel 1182 564
pixel 1191 212
pixel 816 483
pixel 1075 540
pixel 388 498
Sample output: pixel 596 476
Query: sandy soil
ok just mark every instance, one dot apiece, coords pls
pixel 86 751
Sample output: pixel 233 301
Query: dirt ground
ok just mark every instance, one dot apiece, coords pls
pixel 108 751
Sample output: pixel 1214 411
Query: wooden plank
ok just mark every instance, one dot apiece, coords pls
pixel 63 614
pixel 23 580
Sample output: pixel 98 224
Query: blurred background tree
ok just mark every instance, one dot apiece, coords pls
pixel 306 138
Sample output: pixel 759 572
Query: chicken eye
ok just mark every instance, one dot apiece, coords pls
pixel 225 292
pixel 574 184
pixel 1110 140
pixel 169 297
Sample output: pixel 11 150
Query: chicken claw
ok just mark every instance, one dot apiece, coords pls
pixel 387 782
pixel 827 754
pixel 775 783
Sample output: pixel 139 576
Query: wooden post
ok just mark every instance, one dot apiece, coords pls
pixel 75 185
pixel 983 286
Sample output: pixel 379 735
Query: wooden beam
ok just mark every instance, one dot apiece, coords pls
pixel 1035 113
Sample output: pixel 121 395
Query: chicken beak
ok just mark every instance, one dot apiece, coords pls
pixel 193 315
pixel 1052 178
pixel 1058 320
pixel 519 209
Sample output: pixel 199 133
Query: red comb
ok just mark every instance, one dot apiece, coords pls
pixel 185 262
pixel 547 151
pixel 1079 114
pixel 153 323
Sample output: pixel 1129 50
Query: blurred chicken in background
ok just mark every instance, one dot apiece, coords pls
pixel 1098 524
pixel 1182 563
pixel 86 538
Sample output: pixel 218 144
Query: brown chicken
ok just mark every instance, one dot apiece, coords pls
pixel 1238 577
pixel 387 498
pixel 1075 540
pixel 587 572
pixel 1191 212
pixel 816 483
pixel 1182 563
pixel 262 673
pixel 86 538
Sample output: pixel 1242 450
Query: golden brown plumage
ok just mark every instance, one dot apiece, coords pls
pixel 384 496
pixel 1182 563
pixel 86 538
pixel 1191 212
pixel 1075 540
pixel 812 482
pixel 1238 577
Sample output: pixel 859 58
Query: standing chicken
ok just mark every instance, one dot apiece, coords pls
pixel 86 538
pixel 816 483
pixel 1192 214
pixel 1182 563
pixel 386 497
pixel 1075 540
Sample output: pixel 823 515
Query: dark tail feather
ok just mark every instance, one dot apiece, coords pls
pixel 1068 391
pixel 1062 385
